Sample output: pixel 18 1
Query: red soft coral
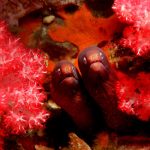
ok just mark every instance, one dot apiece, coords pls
pixel 135 13
pixel 133 94
pixel 21 92
pixel 138 39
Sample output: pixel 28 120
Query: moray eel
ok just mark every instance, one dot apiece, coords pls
pixel 68 92
pixel 99 80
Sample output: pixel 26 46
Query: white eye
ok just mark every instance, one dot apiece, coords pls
pixel 58 71
pixel 84 60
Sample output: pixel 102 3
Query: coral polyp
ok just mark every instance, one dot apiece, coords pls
pixel 21 93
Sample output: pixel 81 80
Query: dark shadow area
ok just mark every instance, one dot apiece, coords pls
pixel 100 7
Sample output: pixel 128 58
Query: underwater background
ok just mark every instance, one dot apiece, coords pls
pixel 41 41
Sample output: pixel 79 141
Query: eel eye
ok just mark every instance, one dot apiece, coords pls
pixel 84 60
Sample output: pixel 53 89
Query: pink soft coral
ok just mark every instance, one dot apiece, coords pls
pixel 135 13
pixel 133 94
pixel 21 92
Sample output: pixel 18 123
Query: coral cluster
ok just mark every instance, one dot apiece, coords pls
pixel 135 13
pixel 133 94
pixel 21 92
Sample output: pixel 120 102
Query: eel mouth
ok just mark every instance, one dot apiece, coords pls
pixel 97 71
pixel 69 82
